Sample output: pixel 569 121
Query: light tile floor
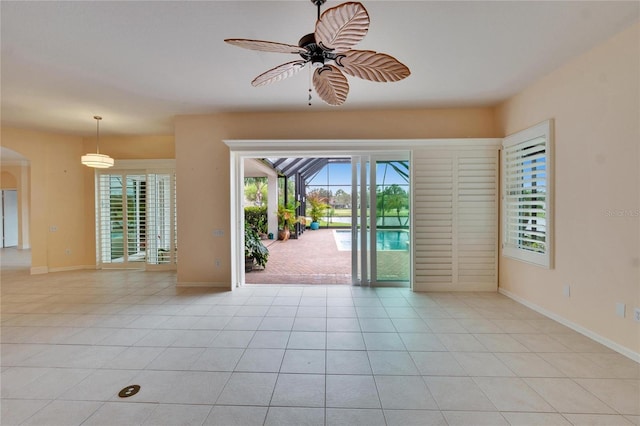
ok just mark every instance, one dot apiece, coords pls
pixel 294 355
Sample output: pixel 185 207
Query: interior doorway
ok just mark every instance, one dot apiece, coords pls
pixel 315 196
pixel 15 206
pixel 9 228
pixel 367 240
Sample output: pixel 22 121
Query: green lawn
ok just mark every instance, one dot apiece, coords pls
pixel 347 213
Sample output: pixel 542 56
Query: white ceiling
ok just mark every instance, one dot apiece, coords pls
pixel 140 63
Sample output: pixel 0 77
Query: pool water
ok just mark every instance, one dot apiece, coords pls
pixel 386 239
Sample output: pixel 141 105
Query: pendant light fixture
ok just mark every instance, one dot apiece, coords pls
pixel 97 160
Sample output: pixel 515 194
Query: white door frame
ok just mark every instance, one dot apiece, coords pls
pixel 241 149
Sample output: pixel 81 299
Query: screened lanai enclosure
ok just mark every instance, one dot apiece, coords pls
pixel 364 224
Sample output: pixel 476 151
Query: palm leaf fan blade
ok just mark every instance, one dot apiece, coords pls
pixel 342 27
pixel 265 46
pixel 373 66
pixel 278 73
pixel 331 85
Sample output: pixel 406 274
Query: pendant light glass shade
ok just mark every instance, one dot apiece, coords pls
pixel 97 160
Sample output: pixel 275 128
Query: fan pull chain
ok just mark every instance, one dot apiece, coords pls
pixel 310 74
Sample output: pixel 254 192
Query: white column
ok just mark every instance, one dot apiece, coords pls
pixel 23 200
pixel 272 205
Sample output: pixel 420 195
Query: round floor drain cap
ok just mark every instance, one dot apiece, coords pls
pixel 129 391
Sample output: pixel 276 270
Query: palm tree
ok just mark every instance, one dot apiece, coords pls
pixel 255 190
pixel 393 197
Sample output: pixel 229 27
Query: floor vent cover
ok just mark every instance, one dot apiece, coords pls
pixel 129 391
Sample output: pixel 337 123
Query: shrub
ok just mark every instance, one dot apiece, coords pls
pixel 253 246
pixel 257 218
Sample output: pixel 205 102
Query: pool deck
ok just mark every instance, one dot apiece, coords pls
pixel 312 258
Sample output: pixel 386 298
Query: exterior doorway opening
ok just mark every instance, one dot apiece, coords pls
pixel 348 241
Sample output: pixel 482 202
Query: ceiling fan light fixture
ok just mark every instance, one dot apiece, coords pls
pixel 97 160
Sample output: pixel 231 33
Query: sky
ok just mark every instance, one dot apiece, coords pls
pixel 339 174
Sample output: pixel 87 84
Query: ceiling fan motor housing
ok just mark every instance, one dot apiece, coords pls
pixel 314 52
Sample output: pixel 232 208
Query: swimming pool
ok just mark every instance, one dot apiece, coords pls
pixel 386 239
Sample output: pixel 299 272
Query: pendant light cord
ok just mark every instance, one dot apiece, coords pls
pixel 97 118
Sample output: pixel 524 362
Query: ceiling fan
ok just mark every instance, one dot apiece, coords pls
pixel 329 50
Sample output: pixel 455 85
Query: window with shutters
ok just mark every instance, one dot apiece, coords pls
pixel 527 195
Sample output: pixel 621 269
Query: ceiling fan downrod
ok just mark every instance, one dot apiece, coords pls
pixel 318 3
pixel 315 53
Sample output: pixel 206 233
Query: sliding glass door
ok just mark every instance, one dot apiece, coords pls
pixel 391 195
pixel 381 244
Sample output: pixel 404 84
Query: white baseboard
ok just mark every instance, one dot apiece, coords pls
pixel 225 285
pixel 69 268
pixel 635 356
pixel 36 270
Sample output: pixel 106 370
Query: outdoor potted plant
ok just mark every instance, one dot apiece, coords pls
pixel 286 219
pixel 254 250
pixel 318 207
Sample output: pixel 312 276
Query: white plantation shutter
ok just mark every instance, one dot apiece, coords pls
pixel 121 221
pixel 477 222
pixel 109 232
pixel 433 219
pixel 136 218
pixel 455 219
pixel 161 218
pixel 527 195
pixel 136 236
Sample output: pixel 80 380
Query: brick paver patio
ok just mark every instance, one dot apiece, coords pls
pixel 313 258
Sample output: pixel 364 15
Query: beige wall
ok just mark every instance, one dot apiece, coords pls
pixel 62 191
pixel 133 147
pixel 9 178
pixel 57 197
pixel 594 100
pixel 202 164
